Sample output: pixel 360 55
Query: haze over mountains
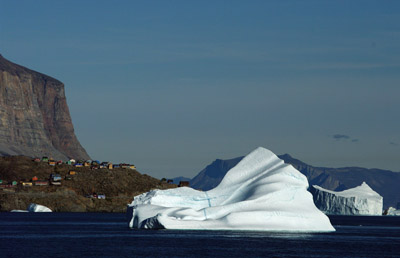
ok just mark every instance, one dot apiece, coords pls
pixel 385 182
pixel 34 115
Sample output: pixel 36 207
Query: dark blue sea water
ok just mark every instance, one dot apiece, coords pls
pixel 107 235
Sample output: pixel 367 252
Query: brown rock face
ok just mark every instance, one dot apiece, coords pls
pixel 34 115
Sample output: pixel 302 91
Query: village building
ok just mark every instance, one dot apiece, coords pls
pixel 41 183
pixel 184 183
pixel 55 177
pixel 26 184
pixel 35 178
pixel 52 163
pixel 71 162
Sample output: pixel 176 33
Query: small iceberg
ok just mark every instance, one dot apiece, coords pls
pixel 34 208
pixel 391 212
pixel 260 193
pixel 360 200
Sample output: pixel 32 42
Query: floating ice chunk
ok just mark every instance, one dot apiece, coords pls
pixel 259 193
pixel 392 212
pixel 361 200
pixel 38 208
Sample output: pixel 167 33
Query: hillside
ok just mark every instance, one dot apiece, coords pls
pixel 118 185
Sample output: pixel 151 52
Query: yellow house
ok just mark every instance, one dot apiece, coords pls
pixel 72 172
pixel 132 167
pixel 110 166
pixel 27 184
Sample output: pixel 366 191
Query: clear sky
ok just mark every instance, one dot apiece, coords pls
pixel 172 85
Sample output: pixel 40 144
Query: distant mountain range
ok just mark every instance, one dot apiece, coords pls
pixel 385 182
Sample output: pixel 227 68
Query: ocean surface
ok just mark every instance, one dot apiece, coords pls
pixel 108 235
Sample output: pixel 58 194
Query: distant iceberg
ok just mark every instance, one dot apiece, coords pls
pixel 34 208
pixel 361 200
pixel 392 212
pixel 259 193
pixel 38 208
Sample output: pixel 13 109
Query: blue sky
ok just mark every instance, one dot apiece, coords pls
pixel 172 85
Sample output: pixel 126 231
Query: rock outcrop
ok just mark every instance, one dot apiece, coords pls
pixel 34 115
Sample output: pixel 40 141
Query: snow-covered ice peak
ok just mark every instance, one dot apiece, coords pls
pixel 260 193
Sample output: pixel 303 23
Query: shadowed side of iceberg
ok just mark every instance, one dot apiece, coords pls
pixel 260 193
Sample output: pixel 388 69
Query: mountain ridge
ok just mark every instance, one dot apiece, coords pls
pixel 385 182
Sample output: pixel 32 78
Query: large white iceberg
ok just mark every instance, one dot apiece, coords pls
pixel 361 200
pixel 259 193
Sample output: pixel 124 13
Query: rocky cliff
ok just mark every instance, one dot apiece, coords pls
pixel 34 115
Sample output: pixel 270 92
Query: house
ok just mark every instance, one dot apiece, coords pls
pixel 36 160
pixel 101 196
pixel 87 163
pixel 170 181
pixel 52 163
pixel 71 162
pixel 132 167
pixel 72 172
pixel 56 183
pixel 55 177
pixel 78 165
pixel 106 164
pixel 45 159
pixel 14 183
pixel 124 165
pixel 27 184
pixel 41 183
pixel 35 178
pixel 115 166
pixel 59 162
pixel 183 183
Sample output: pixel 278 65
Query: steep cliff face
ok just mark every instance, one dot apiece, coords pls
pixel 34 115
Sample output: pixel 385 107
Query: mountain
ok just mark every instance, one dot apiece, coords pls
pixel 34 115
pixel 212 175
pixel 385 182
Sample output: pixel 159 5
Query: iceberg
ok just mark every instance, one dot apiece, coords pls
pixel 38 208
pixel 361 200
pixel 260 193
pixel 392 212
pixel 34 208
